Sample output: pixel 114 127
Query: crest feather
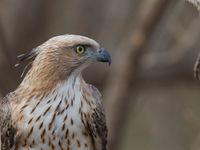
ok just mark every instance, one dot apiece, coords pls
pixel 29 56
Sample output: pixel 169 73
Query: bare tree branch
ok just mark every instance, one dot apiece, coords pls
pixel 184 44
pixel 119 83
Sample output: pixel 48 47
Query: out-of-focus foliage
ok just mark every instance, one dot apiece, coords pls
pixel 161 107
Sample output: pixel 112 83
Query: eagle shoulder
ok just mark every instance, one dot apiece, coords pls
pixel 7 129
pixel 97 121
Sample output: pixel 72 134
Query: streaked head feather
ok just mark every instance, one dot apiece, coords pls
pixel 54 61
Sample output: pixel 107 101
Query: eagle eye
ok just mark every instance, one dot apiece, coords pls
pixel 80 49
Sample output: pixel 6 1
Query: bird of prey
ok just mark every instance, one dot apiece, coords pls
pixel 54 108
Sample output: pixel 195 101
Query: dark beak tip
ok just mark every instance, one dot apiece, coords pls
pixel 104 56
pixel 109 61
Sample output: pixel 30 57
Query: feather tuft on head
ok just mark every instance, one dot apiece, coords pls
pixel 29 56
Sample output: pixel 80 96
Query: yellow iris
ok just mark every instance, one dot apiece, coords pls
pixel 80 49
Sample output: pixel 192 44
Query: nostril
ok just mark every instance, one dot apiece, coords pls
pixel 101 50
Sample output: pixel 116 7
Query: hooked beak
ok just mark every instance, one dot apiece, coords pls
pixel 103 56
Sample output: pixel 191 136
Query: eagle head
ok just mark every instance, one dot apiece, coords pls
pixel 63 55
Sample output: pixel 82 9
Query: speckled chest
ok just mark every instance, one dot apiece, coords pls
pixel 56 121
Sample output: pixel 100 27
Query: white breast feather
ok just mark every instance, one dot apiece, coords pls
pixel 65 91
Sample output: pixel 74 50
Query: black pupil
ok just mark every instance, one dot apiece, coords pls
pixel 80 49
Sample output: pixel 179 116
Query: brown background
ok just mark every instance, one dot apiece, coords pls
pixel 152 100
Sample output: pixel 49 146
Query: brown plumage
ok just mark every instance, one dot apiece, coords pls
pixel 53 108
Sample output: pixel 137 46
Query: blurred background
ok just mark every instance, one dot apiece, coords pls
pixel 151 98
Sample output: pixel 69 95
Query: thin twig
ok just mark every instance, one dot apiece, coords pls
pixel 184 44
